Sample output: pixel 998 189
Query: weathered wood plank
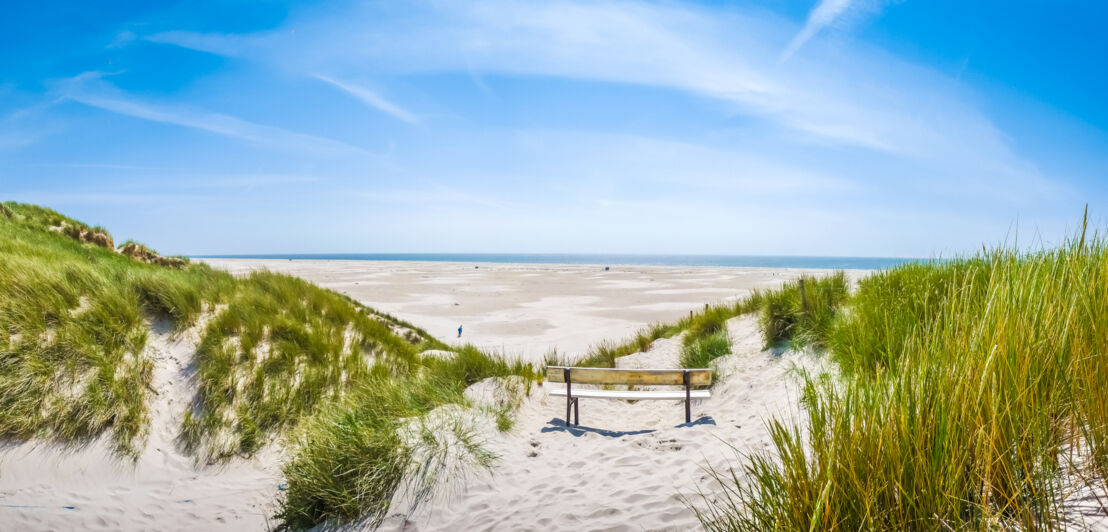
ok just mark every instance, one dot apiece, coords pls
pixel 662 377
pixel 637 395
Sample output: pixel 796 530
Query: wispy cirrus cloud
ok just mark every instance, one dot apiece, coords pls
pixel 16 139
pixel 24 125
pixel 672 165
pixel 112 166
pixel 848 98
pixel 825 13
pixel 91 89
pixel 371 99
pixel 437 194
pixel 216 43
pixel 829 13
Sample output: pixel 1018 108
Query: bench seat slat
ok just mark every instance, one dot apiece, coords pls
pixel 665 377
pixel 634 395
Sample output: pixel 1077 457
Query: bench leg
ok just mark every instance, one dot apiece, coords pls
pixel 572 402
pixel 688 397
pixel 570 399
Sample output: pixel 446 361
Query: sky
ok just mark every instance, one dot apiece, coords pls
pixel 767 127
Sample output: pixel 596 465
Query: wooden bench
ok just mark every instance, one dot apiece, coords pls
pixel 650 377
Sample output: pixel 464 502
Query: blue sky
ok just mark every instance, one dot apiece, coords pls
pixel 833 127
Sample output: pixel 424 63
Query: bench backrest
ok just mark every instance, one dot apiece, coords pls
pixel 670 377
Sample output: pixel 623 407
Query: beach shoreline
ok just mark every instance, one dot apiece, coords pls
pixel 773 262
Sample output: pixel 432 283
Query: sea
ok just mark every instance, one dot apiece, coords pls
pixel 760 261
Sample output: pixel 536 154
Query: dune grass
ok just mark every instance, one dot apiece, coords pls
pixel 706 337
pixel 276 356
pixel 801 320
pixel 701 351
pixel 74 327
pixel 802 316
pixel 972 397
pixel 350 459
pixel 77 315
pixel 605 354
pixel 279 348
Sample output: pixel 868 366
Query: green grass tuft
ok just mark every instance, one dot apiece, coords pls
pixel 703 350
pixel 804 317
pixel 972 397
pixel 350 460
pixel 780 309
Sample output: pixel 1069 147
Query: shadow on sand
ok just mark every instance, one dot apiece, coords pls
pixel 559 425
pixel 702 420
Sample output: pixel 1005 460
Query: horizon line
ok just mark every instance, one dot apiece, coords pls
pixel 545 253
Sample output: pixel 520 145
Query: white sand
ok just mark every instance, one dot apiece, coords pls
pixel 624 468
pixel 527 309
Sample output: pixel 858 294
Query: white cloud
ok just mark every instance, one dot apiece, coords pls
pixel 844 120
pixel 122 39
pixel 113 166
pixel 437 195
pixel 845 98
pixel 89 89
pixel 859 98
pixel 371 99
pixel 629 161
pixel 15 139
pixel 215 43
pixel 822 15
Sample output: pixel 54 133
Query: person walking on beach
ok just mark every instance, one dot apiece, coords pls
pixel 459 331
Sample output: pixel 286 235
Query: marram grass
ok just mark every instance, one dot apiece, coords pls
pixel 972 397
pixel 73 325
pixel 350 459
pixel 802 311
pixel 277 356
pixel 76 316
pixel 702 350
pixel 782 312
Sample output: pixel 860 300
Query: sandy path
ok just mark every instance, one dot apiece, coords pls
pixel 627 465
pixel 527 309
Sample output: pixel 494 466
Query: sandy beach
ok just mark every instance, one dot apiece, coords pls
pixel 527 310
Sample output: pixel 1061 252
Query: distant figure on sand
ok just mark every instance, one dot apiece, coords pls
pixel 459 331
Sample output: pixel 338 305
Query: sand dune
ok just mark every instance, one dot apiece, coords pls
pixel 46 487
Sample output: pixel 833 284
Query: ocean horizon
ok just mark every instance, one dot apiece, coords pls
pixel 755 261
